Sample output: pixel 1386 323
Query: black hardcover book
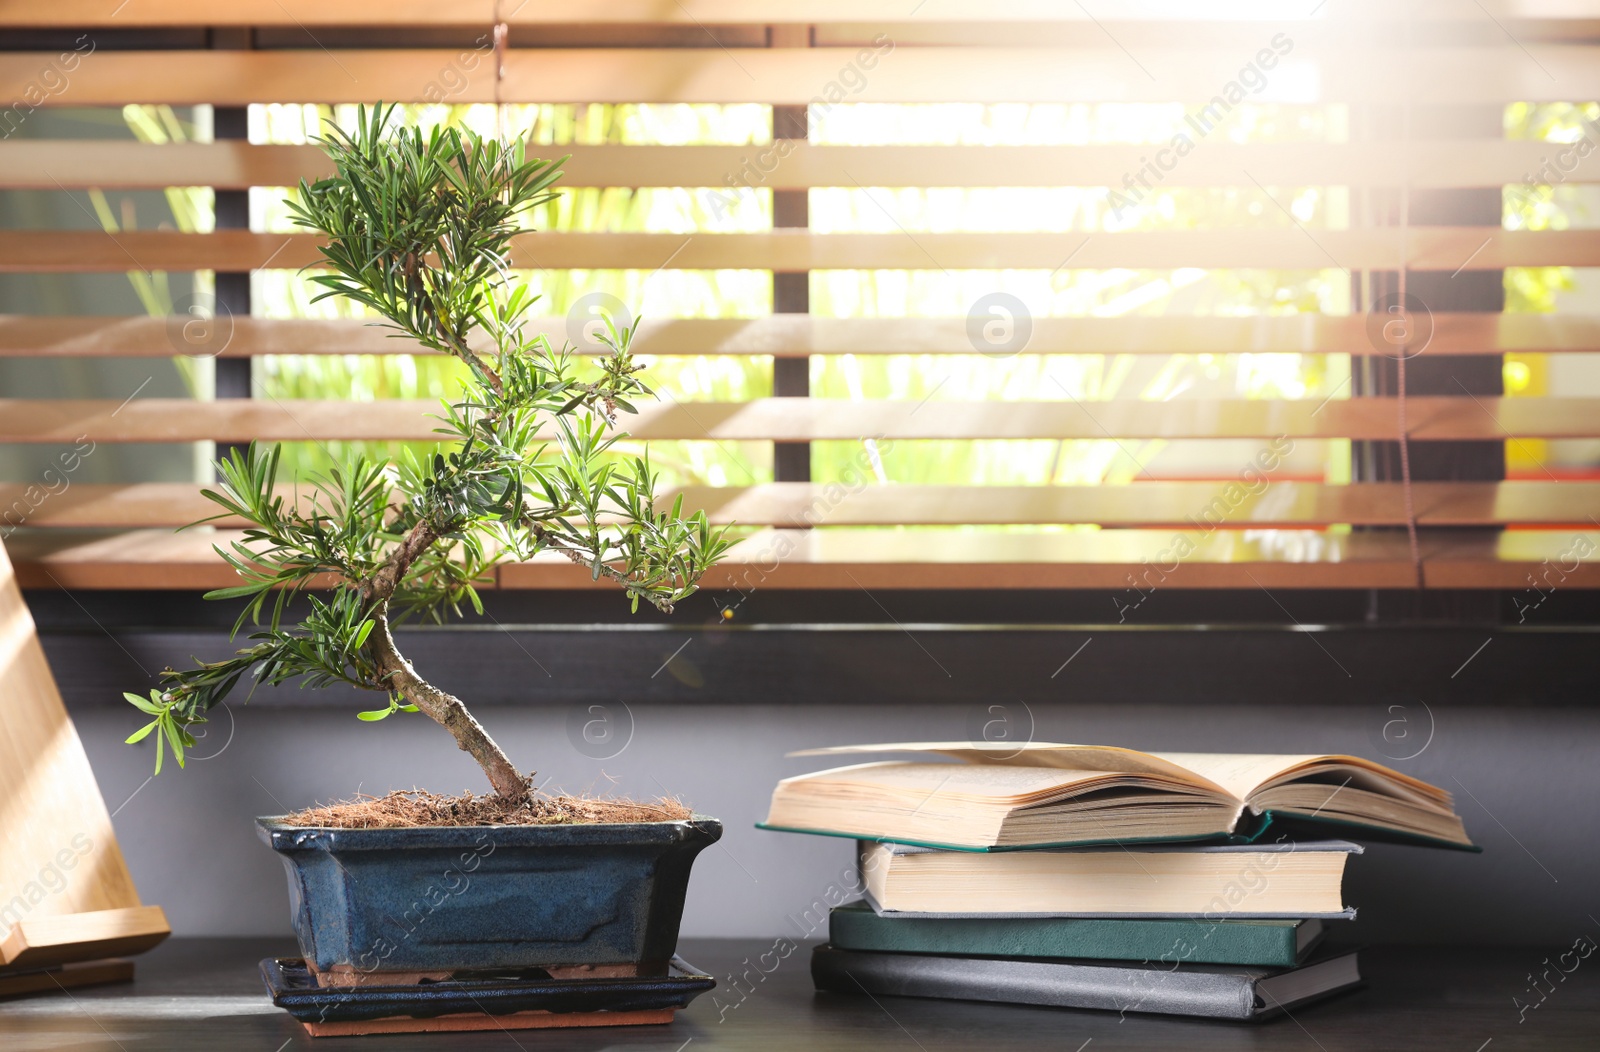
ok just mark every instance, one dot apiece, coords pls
pixel 1182 989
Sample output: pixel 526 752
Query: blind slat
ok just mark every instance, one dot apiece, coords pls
pixel 800 335
pixel 1180 504
pixel 727 170
pixel 797 76
pixel 1433 248
pixel 300 13
pixel 818 419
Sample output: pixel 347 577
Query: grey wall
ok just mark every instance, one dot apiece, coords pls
pixel 1526 780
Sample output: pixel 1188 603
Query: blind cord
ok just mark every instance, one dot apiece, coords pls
pixel 501 33
pixel 1405 349
pixel 1400 403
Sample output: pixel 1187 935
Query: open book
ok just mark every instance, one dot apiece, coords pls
pixel 1048 795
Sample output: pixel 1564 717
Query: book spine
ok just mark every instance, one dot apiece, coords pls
pixel 1164 991
pixel 1158 942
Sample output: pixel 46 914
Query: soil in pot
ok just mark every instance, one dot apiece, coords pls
pixel 418 807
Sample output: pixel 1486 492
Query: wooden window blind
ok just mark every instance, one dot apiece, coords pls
pixel 1420 187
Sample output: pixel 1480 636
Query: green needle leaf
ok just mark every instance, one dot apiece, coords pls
pixel 142 704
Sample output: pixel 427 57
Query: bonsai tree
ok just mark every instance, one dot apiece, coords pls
pixel 418 228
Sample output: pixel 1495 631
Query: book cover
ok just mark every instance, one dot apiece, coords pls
pixel 1158 941
pixel 1283 880
pixel 1201 990
pixel 1252 829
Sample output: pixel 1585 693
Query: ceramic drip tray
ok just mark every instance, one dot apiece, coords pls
pixel 481 1000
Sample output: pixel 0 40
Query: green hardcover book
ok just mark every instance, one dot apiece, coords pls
pixel 1270 943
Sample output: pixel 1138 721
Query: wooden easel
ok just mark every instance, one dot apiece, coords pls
pixel 67 902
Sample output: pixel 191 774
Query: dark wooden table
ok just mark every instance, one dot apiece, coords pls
pixel 205 994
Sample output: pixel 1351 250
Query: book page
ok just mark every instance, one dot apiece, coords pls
pixel 984 805
pixel 1053 755
pixel 1236 775
pixel 1247 774
pixel 991 782
pixel 1239 773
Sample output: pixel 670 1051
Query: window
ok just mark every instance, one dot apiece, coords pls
pixel 936 301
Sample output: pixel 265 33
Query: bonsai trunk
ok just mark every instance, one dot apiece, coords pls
pixel 445 709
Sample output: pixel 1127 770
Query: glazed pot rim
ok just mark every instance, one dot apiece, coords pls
pixel 281 836
pixel 276 822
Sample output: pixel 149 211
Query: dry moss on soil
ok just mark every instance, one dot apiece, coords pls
pixel 418 807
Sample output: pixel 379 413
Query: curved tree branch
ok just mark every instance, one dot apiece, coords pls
pixel 396 672
pixel 443 708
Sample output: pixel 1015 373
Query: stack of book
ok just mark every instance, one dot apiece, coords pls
pixel 1096 877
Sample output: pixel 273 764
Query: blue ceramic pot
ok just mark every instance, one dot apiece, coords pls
pixel 455 898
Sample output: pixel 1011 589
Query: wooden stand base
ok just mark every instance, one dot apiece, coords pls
pixel 480 1021
pixel 65 977
pixel 70 904
pixel 39 942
